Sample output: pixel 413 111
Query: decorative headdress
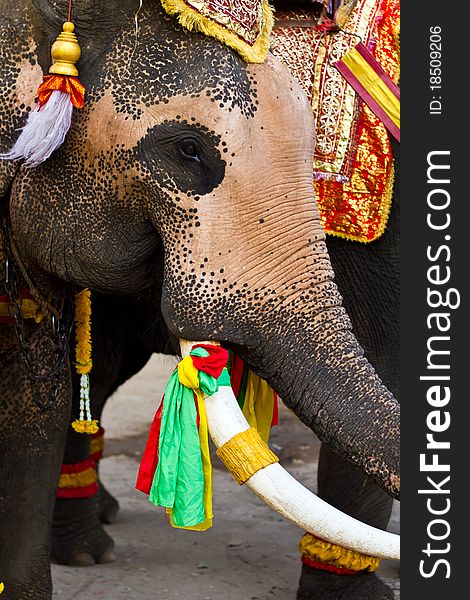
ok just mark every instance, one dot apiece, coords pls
pixel 244 26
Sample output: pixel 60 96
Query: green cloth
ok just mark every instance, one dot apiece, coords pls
pixel 179 481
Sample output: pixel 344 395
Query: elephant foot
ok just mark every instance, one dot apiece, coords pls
pixel 108 506
pixel 321 585
pixel 78 538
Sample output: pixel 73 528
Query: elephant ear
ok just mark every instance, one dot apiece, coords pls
pixel 20 75
pixel 244 26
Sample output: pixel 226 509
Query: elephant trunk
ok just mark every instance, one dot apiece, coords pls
pixel 318 368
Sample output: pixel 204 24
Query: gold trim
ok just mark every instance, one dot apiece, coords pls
pixel 245 454
pixel 324 552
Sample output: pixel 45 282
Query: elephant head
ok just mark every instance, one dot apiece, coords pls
pixel 187 181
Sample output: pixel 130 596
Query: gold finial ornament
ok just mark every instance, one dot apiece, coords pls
pixel 65 52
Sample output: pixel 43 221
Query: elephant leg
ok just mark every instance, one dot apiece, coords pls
pixel 79 538
pixel 108 506
pixel 31 448
pixel 344 486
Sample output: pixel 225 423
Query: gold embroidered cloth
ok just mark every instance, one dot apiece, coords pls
pixel 353 164
pixel 245 25
pixel 243 17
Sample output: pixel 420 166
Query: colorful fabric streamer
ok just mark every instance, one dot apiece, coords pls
pixel 365 75
pixel 176 471
pixel 256 398
pixel 183 477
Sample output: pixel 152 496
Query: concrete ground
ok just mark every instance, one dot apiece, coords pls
pixel 249 554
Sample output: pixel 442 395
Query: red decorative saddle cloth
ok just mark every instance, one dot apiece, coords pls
pixel 353 164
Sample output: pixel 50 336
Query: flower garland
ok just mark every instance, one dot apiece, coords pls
pixel 83 362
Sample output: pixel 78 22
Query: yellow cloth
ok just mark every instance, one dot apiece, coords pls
pixel 29 309
pixel 75 480
pixel 188 374
pixel 258 406
pixel 374 85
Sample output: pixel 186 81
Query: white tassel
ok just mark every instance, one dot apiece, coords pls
pixel 44 132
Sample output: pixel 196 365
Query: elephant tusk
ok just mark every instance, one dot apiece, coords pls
pixel 285 494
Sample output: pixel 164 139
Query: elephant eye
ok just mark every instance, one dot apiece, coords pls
pixel 189 150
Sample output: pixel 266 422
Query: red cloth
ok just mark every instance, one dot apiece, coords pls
pixel 62 83
pixel 275 419
pixel 149 461
pixel 326 567
pixel 79 492
pixel 214 363
pixel 77 467
pixel 236 373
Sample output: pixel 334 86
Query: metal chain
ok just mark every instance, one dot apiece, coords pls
pixel 61 330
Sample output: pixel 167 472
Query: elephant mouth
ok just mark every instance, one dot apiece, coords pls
pixel 282 492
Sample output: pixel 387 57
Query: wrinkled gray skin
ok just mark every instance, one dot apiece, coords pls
pixel 181 183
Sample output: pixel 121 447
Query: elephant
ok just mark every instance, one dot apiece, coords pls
pixel 122 348
pixel 181 188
